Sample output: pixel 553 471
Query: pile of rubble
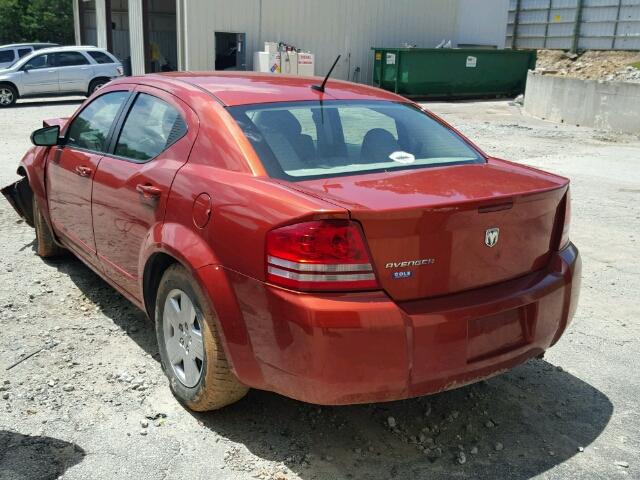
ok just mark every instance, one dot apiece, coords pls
pixel 629 74
pixel 619 66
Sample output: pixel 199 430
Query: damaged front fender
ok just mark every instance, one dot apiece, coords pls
pixel 20 197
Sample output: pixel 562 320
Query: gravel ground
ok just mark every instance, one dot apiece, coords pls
pixel 93 403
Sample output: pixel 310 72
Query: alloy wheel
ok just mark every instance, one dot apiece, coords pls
pixel 182 329
pixel 6 96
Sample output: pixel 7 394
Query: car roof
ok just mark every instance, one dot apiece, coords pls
pixel 73 48
pixel 246 88
pixel 17 45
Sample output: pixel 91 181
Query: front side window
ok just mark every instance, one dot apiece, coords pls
pixel 90 129
pixel 151 127
pixel 41 61
pixel 304 140
pixel 69 59
pixel 7 56
pixel 24 51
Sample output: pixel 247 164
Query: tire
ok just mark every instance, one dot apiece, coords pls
pixel 8 96
pixel 46 247
pixel 97 84
pixel 184 335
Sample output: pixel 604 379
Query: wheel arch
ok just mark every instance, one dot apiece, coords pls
pixel 96 79
pixel 13 85
pixel 155 267
pixel 167 244
pixel 170 243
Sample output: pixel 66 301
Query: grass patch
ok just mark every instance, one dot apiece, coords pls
pixel 635 65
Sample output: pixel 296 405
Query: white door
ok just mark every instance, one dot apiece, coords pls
pixel 39 76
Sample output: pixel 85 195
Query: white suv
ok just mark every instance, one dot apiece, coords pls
pixel 58 71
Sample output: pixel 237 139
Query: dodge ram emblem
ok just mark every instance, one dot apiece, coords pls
pixel 491 237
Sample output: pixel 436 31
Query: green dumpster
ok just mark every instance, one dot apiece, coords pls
pixel 452 72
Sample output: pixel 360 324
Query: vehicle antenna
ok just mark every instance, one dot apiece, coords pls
pixel 320 88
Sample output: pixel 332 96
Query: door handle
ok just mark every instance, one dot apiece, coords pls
pixel 149 191
pixel 83 171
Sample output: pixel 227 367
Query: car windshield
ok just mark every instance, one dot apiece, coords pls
pixel 305 140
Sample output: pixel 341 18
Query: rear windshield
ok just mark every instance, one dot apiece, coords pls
pixel 305 140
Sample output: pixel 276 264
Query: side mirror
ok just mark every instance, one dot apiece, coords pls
pixel 46 137
pixel 26 68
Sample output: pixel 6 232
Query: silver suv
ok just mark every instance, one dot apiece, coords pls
pixel 58 71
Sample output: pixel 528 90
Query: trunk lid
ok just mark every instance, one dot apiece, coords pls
pixel 443 230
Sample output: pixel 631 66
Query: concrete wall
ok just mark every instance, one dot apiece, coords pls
pixel 604 105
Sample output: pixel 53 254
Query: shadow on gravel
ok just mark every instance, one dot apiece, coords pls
pixel 123 313
pixel 522 423
pixel 23 457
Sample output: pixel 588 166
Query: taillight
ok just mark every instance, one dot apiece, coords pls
pixel 319 255
pixel 564 239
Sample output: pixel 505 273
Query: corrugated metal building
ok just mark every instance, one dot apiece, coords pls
pixel 198 34
pixel 574 24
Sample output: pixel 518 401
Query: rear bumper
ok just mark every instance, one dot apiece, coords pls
pixel 356 348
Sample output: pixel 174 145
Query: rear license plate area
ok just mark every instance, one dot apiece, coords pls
pixel 500 333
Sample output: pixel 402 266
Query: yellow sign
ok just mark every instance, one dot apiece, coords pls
pixel 378 56
pixel 557 18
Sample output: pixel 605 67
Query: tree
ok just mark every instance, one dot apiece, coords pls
pixel 36 21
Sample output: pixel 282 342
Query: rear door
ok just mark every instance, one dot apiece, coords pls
pixel 132 182
pixel 39 76
pixel 71 169
pixel 74 71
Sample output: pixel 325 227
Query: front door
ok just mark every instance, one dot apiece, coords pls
pixel 132 183
pixel 39 76
pixel 72 167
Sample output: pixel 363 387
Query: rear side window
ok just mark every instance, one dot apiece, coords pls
pixel 7 56
pixel 151 127
pixel 69 59
pixel 100 57
pixel 24 51
pixel 90 129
